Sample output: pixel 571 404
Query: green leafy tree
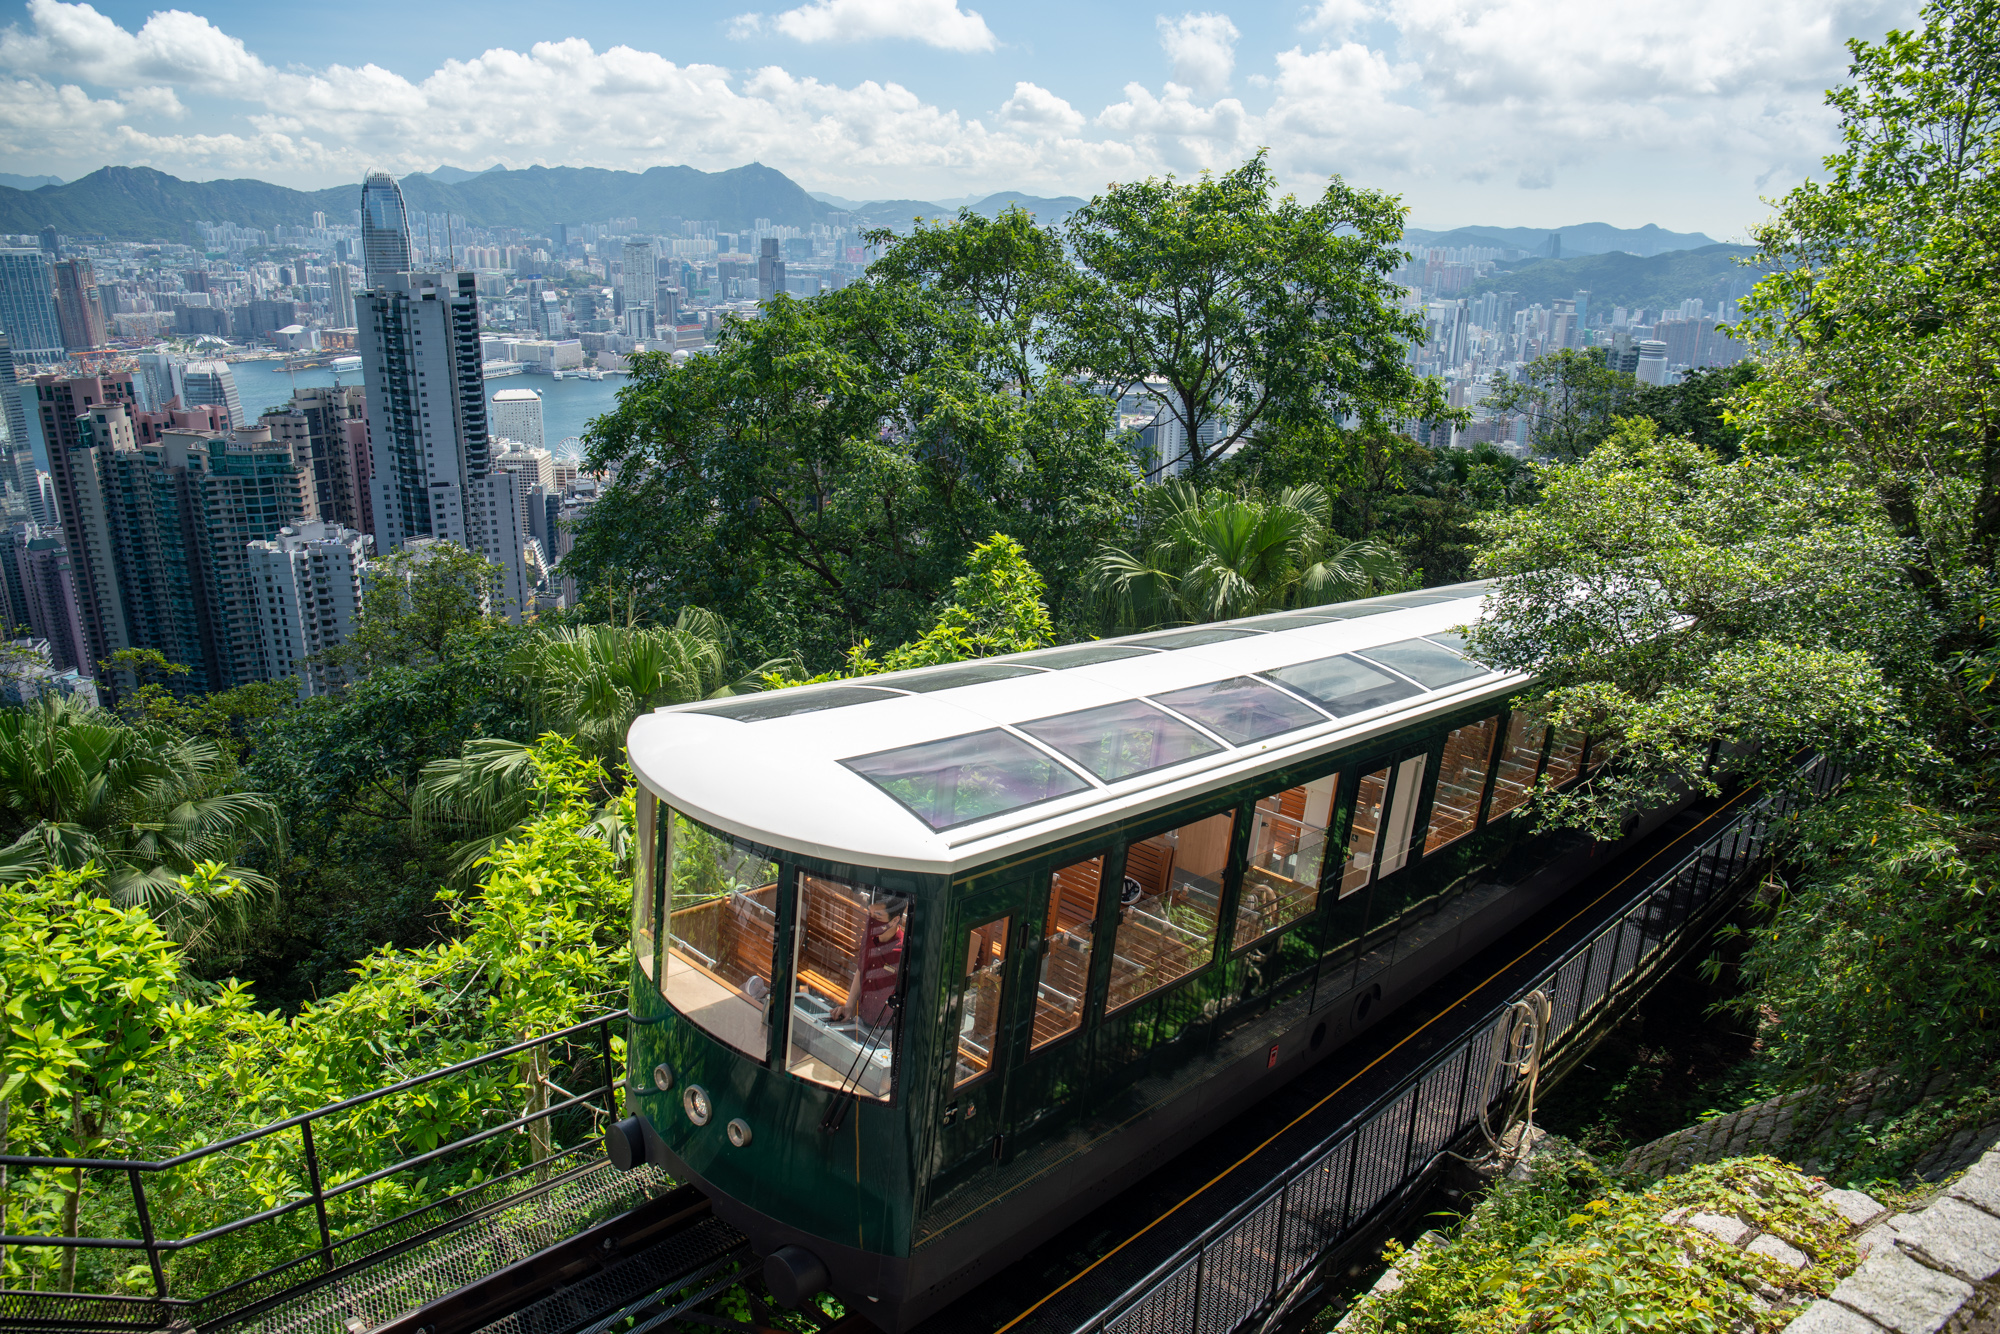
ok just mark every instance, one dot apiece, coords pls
pixel 1569 397
pixel 1009 273
pixel 415 602
pixel 995 607
pixel 146 806
pixel 1215 555
pixel 818 480
pixel 1252 310
pixel 85 994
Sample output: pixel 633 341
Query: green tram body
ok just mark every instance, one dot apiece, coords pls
pixel 897 1206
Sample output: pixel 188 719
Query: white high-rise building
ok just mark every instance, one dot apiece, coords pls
pixel 641 273
pixel 1652 368
pixel 211 383
pixel 306 582
pixel 433 473
pixel 517 415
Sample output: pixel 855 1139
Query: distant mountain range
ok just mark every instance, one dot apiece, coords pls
pixel 140 204
pixel 1713 273
pixel 1583 238
pixel 13 182
pixel 899 213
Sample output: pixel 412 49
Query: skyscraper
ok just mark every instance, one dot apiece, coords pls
pixel 307 582
pixel 341 315
pixel 386 247
pixel 79 310
pixel 332 424
pixel 212 382
pixel 28 305
pixel 517 415
pixel 770 270
pixel 17 450
pixel 173 521
pixel 641 273
pixel 433 459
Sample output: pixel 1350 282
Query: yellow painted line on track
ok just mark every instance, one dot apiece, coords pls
pixel 1345 1084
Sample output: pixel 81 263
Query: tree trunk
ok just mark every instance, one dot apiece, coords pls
pixel 538 1099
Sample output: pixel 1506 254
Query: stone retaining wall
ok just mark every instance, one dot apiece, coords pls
pixel 1936 1271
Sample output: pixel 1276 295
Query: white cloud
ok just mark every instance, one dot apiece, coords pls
pixel 939 23
pixel 1622 112
pixel 1339 18
pixel 1036 110
pixel 1203 49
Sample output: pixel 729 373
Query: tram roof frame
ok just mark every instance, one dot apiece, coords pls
pixel 782 782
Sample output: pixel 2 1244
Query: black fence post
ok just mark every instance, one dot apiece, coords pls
pixel 146 1232
pixel 319 1196
pixel 610 1077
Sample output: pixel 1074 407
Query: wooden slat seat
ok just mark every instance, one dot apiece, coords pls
pixel 1151 863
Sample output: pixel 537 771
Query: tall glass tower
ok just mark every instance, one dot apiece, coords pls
pixel 28 306
pixel 386 249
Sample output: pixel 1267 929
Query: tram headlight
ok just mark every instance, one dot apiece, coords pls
pixel 739 1132
pixel 695 1103
pixel 663 1077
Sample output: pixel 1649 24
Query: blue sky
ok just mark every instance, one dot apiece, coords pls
pixel 1510 112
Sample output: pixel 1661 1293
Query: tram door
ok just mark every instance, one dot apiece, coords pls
pixel 984 969
pixel 1051 1045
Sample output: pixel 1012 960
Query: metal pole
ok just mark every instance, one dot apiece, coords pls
pixel 146 1232
pixel 319 1196
pixel 610 1078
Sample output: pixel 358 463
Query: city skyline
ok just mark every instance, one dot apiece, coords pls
pixel 1536 114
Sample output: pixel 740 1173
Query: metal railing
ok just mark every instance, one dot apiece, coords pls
pixel 328 1217
pixel 1251 1262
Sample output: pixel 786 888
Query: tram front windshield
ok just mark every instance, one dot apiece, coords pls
pixel 843 966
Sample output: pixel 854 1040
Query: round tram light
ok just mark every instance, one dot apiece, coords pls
pixel 695 1103
pixel 739 1132
pixel 663 1077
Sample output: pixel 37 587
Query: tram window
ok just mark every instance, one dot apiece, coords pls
pixel 645 907
pixel 1241 709
pixel 1170 900
pixel 1462 770
pixel 1362 833
pixel 1565 756
pixel 1402 814
pixel 1119 740
pixel 721 935
pixel 1520 758
pixel 1066 940
pixel 979 999
pixel 1343 685
pixel 1287 844
pixel 1425 663
pixel 960 779
pixel 847 963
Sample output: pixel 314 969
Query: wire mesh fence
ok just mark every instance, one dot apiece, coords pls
pixel 1240 1268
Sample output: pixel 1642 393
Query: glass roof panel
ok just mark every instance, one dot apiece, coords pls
pixel 958 674
pixel 785 703
pixel 1425 662
pixel 1289 620
pixel 1241 709
pixel 1119 740
pixel 1343 685
pixel 1456 643
pixel 1192 637
pixel 1081 655
pixel 964 778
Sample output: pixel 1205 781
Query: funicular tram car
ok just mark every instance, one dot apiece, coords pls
pixel 926 966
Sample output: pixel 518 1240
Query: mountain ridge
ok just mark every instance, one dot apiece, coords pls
pixel 1582 238
pixel 142 204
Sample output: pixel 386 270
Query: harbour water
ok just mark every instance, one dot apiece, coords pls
pixel 567 405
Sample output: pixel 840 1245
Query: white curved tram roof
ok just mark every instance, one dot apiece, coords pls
pixel 796 782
